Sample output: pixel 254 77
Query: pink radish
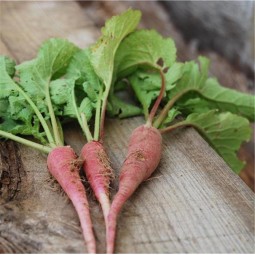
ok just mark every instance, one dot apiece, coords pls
pixel 144 152
pixel 98 172
pixel 63 165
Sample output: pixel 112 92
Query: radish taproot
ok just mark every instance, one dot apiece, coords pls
pixel 98 172
pixel 64 165
pixel 29 111
pixel 144 152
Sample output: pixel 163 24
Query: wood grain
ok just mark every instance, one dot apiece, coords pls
pixel 26 25
pixel 193 202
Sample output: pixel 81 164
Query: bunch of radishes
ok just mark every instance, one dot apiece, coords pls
pixel 64 83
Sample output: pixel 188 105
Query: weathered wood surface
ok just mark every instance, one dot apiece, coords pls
pixel 193 202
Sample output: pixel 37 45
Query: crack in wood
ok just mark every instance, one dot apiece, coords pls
pixel 11 171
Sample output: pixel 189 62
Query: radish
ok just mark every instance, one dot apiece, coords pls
pixel 63 165
pixel 99 172
pixel 144 153
pixel 141 54
pixel 29 111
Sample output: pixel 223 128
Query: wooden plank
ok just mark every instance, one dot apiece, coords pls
pixel 193 202
pixel 4 50
pixel 39 21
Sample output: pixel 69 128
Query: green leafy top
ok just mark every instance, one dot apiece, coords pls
pixel 225 132
pixel 77 95
pixel 195 84
pixel 147 84
pixel 8 64
pixel 103 55
pixel 89 76
pixel 144 48
pixel 7 70
pixel 16 116
pixel 26 99
pixel 51 63
pixel 114 31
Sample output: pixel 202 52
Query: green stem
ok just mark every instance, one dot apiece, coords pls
pixel 166 109
pixel 159 98
pixel 49 125
pixel 83 124
pixel 18 139
pixel 40 117
pixel 175 126
pixel 86 127
pixel 76 110
pixel 61 133
pixel 54 124
pixel 97 117
pixel 104 99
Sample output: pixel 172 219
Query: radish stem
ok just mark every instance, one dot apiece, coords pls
pixel 173 127
pixel 54 124
pixel 34 145
pixel 160 96
pixel 39 115
pixel 167 107
pixel 86 127
pixel 97 117
pixel 83 123
pixel 105 96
